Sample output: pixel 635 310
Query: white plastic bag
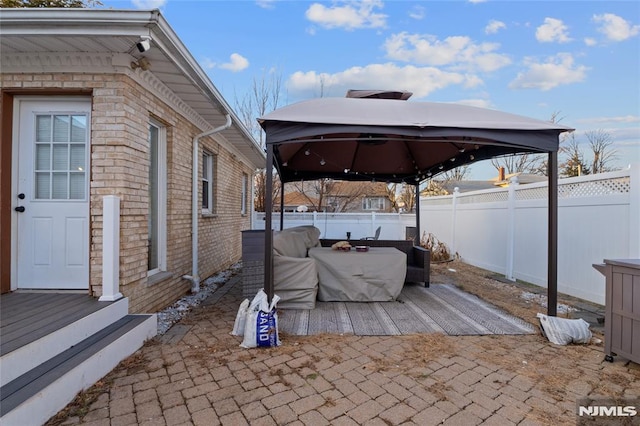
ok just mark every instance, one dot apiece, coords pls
pixel 241 319
pixel 261 325
pixel 563 331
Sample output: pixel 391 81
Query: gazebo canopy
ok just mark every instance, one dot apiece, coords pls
pixel 392 140
pixel 376 135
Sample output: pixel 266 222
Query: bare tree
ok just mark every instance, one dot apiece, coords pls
pixel 600 143
pixel 316 191
pixel 433 189
pixel 519 163
pixel 393 196
pixel 574 164
pixel 455 175
pixel 527 162
pixel 263 97
pixel 407 196
pixel 261 187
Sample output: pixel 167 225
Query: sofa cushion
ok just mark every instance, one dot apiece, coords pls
pixel 294 242
pixel 289 244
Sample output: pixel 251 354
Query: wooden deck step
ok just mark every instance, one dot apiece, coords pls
pixel 71 371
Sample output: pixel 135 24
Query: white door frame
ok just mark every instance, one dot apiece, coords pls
pixel 17 105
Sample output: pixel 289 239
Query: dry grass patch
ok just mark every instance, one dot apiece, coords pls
pixel 416 351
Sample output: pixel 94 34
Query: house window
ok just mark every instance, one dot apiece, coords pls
pixel 157 223
pixel 243 200
pixel 208 180
pixel 373 203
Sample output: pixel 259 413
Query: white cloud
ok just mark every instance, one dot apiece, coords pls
pixel 207 64
pixel 148 4
pixel 614 27
pixel 477 1
pixel 590 41
pixel 619 119
pixel 350 16
pixel 458 52
pixel 237 63
pixel 494 26
pixel 552 30
pixel 555 71
pixel 417 12
pixel 266 4
pixel 422 81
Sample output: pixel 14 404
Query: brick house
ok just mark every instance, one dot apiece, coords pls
pixel 106 111
pixel 338 196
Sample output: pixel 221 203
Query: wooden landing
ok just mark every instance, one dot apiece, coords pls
pixel 27 317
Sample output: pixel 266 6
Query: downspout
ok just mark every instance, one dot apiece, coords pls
pixel 194 277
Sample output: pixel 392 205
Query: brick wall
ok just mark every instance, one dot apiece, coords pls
pixel 121 112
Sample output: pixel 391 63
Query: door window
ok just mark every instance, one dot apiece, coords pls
pixel 61 157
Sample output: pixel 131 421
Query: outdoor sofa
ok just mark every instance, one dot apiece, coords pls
pixel 295 276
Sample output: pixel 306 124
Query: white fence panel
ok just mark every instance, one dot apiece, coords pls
pixel 336 225
pixel 598 218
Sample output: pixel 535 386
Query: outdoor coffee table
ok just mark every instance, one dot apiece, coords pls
pixel 376 275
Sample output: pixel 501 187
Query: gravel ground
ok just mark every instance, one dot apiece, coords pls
pixel 174 313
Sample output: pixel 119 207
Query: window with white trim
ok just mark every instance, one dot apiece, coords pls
pixel 208 181
pixel 243 195
pixel 373 203
pixel 157 222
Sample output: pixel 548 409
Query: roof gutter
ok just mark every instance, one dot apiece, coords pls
pixel 194 277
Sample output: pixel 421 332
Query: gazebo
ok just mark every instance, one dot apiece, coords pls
pixel 377 135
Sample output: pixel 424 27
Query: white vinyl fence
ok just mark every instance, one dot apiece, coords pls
pixel 505 230
pixel 336 225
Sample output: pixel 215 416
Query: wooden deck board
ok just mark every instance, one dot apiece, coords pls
pixel 417 310
pixel 364 318
pixel 323 319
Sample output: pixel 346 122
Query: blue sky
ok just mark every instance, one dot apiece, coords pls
pixel 577 59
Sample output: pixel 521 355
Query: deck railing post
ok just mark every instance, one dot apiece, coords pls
pixel 110 249
pixel 511 227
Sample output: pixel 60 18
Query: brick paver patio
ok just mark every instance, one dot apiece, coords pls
pixel 197 374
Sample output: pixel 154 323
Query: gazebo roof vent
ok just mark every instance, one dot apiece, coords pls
pixel 379 94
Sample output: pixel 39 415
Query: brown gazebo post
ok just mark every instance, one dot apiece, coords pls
pixel 268 233
pixel 552 240
pixel 417 238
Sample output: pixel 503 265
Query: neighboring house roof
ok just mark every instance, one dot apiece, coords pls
pixel 366 189
pixel 40 39
pixel 297 198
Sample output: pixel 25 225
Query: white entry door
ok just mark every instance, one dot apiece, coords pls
pixel 51 208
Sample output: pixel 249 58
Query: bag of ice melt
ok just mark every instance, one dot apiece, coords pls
pixel 241 319
pixel 563 331
pixel 261 326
